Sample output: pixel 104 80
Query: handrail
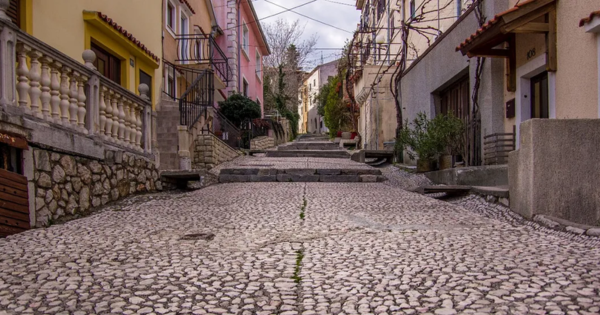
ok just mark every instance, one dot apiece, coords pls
pixel 202 48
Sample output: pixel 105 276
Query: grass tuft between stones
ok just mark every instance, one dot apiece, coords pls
pixel 299 256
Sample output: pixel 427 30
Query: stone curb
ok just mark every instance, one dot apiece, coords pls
pixel 564 225
pixel 301 178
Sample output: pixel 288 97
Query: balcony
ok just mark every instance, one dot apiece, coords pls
pixel 41 84
pixel 201 51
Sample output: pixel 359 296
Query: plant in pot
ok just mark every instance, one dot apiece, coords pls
pixel 448 131
pixel 419 141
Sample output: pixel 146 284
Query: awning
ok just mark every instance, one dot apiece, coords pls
pixel 524 18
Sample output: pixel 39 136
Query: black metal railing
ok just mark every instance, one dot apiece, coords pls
pixel 194 102
pixel 203 49
pixel 225 130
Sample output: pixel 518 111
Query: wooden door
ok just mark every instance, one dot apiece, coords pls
pixel 539 96
pixel 14 203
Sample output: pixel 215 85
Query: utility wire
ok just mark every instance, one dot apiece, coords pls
pixel 308 17
pixel 272 15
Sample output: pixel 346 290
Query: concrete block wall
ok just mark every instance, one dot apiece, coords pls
pixel 167 136
pixel 210 151
pixel 555 170
pixel 261 143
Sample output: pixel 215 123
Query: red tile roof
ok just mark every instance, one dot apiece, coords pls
pixel 188 5
pixel 588 19
pixel 491 23
pixel 128 35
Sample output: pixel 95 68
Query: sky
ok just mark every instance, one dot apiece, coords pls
pixel 339 13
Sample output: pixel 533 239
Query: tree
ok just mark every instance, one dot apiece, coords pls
pixel 331 106
pixel 238 108
pixel 288 52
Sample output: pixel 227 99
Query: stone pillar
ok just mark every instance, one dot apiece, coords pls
pixel 8 61
pixel 92 106
pixel 232 40
pixel 185 162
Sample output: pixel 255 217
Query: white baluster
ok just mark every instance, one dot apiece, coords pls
pixel 121 120
pixel 109 120
pixel 55 91
pixel 45 82
pixel 22 72
pixel 34 82
pixel 115 117
pixel 73 100
pixel 64 96
pixel 102 111
pixel 138 138
pixel 81 110
pixel 126 122
pixel 133 124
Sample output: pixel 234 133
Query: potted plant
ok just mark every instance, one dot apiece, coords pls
pixel 448 131
pixel 419 141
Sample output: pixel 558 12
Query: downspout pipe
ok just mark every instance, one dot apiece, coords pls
pixel 239 59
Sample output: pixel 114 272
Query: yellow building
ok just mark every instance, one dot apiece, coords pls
pixel 128 50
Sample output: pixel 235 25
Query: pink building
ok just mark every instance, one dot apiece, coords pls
pixel 245 44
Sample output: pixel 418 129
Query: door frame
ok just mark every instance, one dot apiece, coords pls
pixel 523 99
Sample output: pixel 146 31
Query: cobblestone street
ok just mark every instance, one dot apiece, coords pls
pixel 299 248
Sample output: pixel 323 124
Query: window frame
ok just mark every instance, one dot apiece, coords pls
pixel 173 17
pixel 258 66
pixel 246 39
pixel 245 87
pixel 113 63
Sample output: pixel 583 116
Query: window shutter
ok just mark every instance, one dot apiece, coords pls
pixel 14 12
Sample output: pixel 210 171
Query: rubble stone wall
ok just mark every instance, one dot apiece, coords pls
pixel 211 151
pixel 66 184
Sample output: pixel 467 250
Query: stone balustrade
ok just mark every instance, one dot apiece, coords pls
pixel 46 84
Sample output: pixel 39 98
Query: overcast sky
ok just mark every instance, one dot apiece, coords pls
pixel 339 13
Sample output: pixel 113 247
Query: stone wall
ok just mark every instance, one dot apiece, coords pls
pixel 65 184
pixel 261 143
pixel 211 151
pixel 555 170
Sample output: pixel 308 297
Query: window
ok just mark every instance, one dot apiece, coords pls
pixel 315 82
pixel 146 79
pixel 14 11
pixel 170 88
pixel 258 65
pixel 309 87
pixel 246 37
pixel 170 15
pixel 245 88
pixel 107 64
pixel 413 9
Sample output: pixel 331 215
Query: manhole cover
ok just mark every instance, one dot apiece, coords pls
pixel 198 236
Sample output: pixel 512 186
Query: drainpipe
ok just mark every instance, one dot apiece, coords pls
pixel 389 37
pixel 239 59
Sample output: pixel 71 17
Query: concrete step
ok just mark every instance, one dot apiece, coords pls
pixel 309 153
pixel 242 175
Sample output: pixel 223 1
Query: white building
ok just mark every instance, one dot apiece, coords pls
pixel 310 120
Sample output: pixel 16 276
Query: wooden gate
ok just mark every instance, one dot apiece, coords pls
pixel 14 204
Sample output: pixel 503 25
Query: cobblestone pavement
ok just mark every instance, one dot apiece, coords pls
pixel 299 248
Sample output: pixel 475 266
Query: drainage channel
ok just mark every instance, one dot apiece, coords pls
pixel 300 254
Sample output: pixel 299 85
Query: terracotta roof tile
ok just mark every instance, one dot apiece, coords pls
pixel 588 19
pixel 491 23
pixel 188 5
pixel 127 35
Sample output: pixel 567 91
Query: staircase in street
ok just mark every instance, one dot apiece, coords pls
pixel 308 159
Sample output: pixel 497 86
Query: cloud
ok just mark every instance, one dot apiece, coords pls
pixel 338 14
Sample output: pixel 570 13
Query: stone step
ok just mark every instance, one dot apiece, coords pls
pixel 241 175
pixel 310 146
pixel 309 153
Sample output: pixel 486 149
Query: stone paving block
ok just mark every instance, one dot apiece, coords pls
pixel 268 171
pixel 230 178
pixel 339 178
pixel 300 171
pixel 263 178
pixel 329 171
pixel 297 178
pixel 351 171
pixel 368 178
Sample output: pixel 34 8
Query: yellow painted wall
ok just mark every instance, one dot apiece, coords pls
pixel 577 75
pixel 60 24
